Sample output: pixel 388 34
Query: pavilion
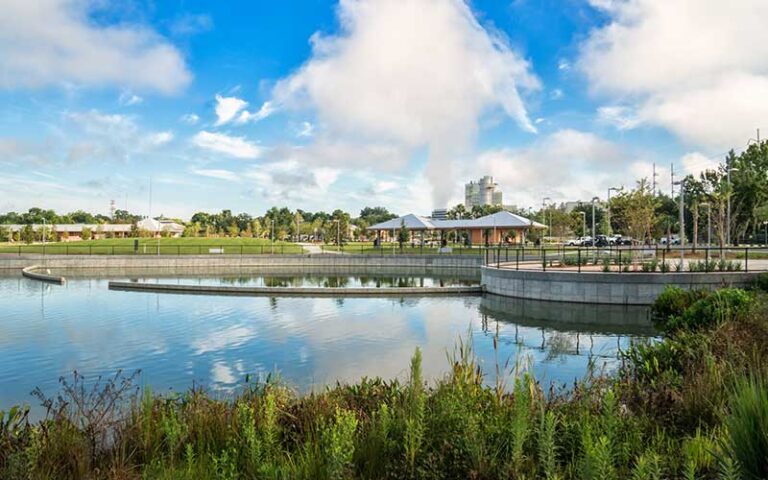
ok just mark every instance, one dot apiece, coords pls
pixel 499 227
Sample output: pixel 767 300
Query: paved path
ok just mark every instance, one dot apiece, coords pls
pixel 315 249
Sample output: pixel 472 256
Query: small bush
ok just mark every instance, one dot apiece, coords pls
pixel 723 305
pixel 673 302
pixel 747 427
pixel 649 267
pixel 664 267
pixel 761 282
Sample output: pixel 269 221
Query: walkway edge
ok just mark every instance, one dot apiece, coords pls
pixel 29 272
pixel 295 291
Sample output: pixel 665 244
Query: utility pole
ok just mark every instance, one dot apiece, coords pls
pixel 672 179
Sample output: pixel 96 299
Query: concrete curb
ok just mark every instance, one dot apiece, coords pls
pixel 295 291
pixel 29 273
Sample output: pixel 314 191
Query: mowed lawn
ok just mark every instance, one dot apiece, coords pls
pixel 153 246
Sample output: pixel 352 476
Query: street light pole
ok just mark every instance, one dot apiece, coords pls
pixel 729 169
pixel 543 206
pixel 765 240
pixel 583 223
pixel 682 219
pixel 272 236
pixel 608 209
pixel 594 199
pixel 43 231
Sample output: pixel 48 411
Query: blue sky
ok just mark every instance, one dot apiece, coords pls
pixel 320 105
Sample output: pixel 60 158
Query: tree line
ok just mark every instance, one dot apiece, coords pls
pixel 277 223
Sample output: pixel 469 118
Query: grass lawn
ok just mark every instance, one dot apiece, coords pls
pixel 150 246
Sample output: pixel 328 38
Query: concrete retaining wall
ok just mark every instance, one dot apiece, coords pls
pixel 608 288
pixel 238 261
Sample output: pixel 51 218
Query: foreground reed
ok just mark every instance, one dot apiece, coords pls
pixel 692 405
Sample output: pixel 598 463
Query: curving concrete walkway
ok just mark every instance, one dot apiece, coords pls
pixel 29 272
pixel 294 291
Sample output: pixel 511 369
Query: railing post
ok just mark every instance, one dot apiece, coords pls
pixel 706 259
pixel 746 259
pixel 543 259
pixel 517 259
pixel 498 258
pixel 621 265
pixel 578 259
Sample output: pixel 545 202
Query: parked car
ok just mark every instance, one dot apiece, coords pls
pixel 672 240
pixel 579 242
pixel 622 240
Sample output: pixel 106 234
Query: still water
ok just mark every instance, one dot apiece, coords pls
pixel 47 331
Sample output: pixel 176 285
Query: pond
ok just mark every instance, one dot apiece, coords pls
pixel 49 330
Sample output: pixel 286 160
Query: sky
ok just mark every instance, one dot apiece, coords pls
pixel 177 106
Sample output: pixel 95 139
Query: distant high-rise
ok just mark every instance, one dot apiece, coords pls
pixel 483 192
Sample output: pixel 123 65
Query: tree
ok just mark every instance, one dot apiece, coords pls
pixel 374 215
pixel 718 191
pixel 27 234
pixel 635 211
pixel 338 227
pixel 458 212
pixel 5 234
pixel 402 234
pixel 232 230
pixel 693 195
pixel 86 233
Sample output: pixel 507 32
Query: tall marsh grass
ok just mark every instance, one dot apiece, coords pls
pixel 691 405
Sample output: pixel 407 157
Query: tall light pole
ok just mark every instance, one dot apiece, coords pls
pixel 765 240
pixel 729 169
pixel 583 223
pixel 594 199
pixel 608 209
pixel 543 206
pixel 43 230
pixel 682 219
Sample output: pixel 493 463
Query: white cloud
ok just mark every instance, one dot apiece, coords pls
pixel 190 118
pixel 556 94
pixel 413 74
pixel 566 165
pixel 694 163
pixel 237 147
pixel 307 130
pixel 104 137
pixel 698 70
pixel 227 108
pixel 227 175
pixel 128 99
pixel 159 138
pixel 621 117
pixel 289 181
pixel 266 110
pixel 341 153
pixel 54 42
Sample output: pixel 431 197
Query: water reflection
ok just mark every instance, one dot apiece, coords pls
pixel 49 330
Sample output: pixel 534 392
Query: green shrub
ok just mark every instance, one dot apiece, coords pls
pixel 673 302
pixel 761 281
pixel 723 305
pixel 747 427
